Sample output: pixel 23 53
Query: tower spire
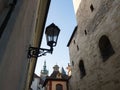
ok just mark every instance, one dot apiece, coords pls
pixel 44 67
pixel 44 71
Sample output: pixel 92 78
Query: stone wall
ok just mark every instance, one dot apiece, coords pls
pixel 96 18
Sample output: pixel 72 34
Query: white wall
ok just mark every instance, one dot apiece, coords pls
pixel 35 83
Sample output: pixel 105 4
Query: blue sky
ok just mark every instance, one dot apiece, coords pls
pixel 61 13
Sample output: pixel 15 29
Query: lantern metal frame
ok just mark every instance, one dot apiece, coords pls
pixel 34 52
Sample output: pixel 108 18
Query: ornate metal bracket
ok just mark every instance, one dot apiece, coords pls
pixel 35 52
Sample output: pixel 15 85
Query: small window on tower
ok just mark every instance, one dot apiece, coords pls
pixel 77 48
pixel 91 7
pixel 82 69
pixel 72 63
pixel 85 32
pixel 74 41
pixel 106 48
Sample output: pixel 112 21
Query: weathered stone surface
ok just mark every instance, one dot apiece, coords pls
pixel 103 20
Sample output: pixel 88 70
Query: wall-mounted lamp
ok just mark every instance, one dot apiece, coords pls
pixel 52 32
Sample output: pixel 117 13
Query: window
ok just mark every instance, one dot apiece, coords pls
pixel 59 87
pixel 72 63
pixel 82 69
pixel 74 41
pixel 85 32
pixel 77 48
pixel 106 48
pixel 91 7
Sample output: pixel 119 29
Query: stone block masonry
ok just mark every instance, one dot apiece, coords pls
pixel 98 39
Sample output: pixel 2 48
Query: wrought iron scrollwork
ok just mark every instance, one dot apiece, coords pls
pixel 37 52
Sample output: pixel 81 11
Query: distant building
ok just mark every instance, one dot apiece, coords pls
pixel 94 46
pixel 37 83
pixel 69 70
pixel 57 80
pixel 44 72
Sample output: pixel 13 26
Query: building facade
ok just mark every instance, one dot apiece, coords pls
pixel 94 46
pixel 21 26
pixel 68 70
pixel 57 80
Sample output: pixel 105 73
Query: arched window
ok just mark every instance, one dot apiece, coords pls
pixel 82 69
pixel 106 48
pixel 91 7
pixel 72 63
pixel 59 87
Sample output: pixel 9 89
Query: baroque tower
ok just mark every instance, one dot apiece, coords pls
pixel 44 72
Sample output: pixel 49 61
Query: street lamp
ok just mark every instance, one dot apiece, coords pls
pixel 52 32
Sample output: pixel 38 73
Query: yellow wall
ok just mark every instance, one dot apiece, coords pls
pixel 54 83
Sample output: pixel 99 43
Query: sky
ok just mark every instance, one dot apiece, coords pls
pixel 61 13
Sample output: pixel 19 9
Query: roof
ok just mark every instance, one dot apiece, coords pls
pixel 72 36
pixel 63 71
